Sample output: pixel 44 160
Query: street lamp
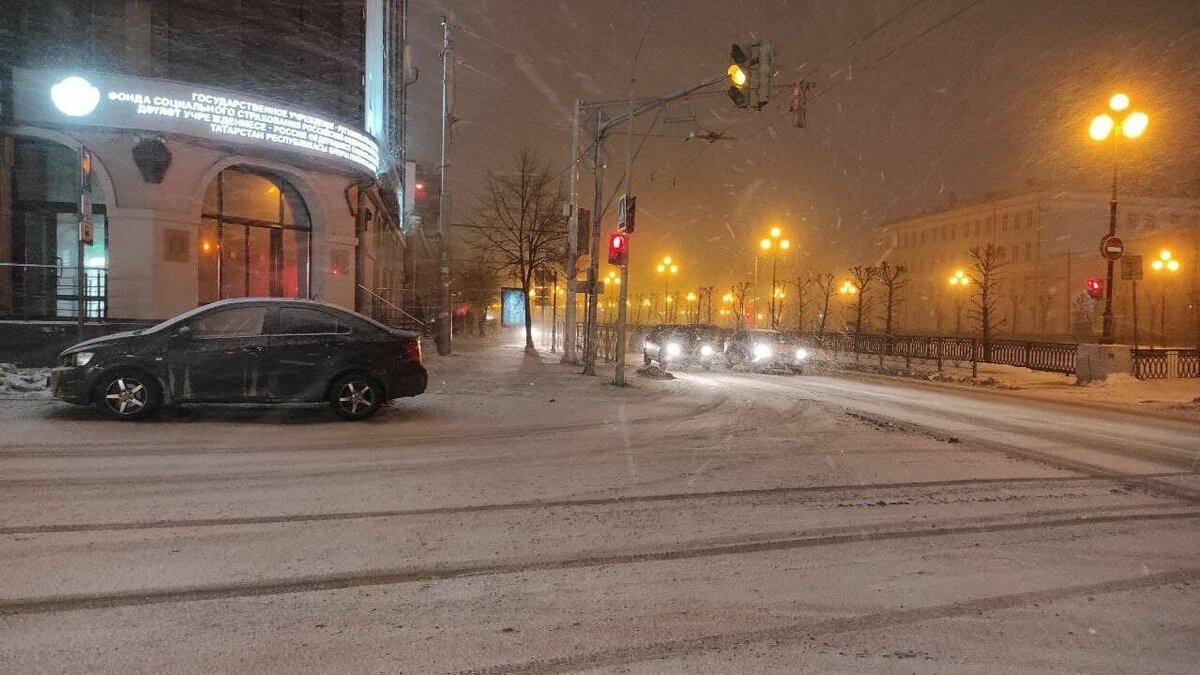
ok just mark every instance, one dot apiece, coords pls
pixel 774 243
pixel 1102 128
pixel 666 268
pixel 959 282
pixel 1169 265
pixel 691 298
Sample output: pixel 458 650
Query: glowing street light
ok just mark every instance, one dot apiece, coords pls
pixel 1102 128
pixel 1166 262
pixel 774 243
pixel 959 282
pixel 667 268
pixel 848 288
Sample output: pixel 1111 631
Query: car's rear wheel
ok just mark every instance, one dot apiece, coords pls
pixel 355 396
pixel 128 395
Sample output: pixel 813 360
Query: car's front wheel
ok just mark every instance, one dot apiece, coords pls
pixel 128 395
pixel 355 396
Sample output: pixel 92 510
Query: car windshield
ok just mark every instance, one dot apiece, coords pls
pixel 600 336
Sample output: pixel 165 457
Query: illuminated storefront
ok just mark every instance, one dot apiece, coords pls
pixel 197 194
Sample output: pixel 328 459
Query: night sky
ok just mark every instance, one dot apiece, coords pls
pixel 995 99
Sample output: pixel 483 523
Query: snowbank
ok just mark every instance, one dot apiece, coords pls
pixel 23 382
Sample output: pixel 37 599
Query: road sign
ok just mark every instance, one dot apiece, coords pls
pixel 626 214
pixel 1131 268
pixel 87 231
pixel 1112 248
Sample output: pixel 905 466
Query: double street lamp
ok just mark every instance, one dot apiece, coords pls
pixel 774 243
pixel 959 282
pixel 666 268
pixel 1167 265
pixel 1104 127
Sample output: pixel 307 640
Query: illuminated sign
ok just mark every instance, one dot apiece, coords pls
pixel 512 307
pixel 121 102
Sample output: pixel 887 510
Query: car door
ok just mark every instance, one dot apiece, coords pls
pixel 305 349
pixel 219 360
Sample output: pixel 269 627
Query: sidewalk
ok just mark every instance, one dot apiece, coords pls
pixel 1178 397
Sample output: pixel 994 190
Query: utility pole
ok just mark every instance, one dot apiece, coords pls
pixel 593 278
pixel 444 328
pixel 572 258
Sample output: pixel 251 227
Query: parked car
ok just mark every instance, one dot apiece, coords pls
pixel 763 349
pixel 698 344
pixel 249 350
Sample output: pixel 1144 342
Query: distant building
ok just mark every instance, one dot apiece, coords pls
pixel 229 149
pixel 1050 242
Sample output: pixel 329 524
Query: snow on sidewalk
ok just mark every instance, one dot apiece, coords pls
pixel 21 383
pixel 1171 396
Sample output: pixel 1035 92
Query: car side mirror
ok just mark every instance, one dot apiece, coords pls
pixel 183 334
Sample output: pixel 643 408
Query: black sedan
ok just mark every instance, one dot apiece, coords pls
pixel 252 350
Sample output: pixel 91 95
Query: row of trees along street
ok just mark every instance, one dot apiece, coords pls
pixel 517 230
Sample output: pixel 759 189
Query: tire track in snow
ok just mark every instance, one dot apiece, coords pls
pixel 750 545
pixel 731 495
pixel 801 632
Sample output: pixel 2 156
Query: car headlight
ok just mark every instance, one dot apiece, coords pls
pixel 706 350
pixel 801 354
pixel 673 349
pixel 762 352
pixel 81 358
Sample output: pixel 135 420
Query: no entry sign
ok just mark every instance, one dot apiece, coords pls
pixel 1112 248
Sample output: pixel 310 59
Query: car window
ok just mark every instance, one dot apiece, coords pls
pixel 234 322
pixel 302 321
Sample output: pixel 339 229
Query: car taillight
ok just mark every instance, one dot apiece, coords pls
pixel 412 348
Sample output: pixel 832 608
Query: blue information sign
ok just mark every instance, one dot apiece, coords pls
pixel 512 307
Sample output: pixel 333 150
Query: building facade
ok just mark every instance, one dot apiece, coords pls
pixel 1049 246
pixel 227 158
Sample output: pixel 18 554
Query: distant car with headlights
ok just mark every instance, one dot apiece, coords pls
pixel 762 349
pixel 689 344
pixel 249 350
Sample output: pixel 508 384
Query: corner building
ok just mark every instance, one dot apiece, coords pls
pixel 227 153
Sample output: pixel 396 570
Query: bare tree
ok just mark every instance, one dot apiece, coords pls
pixel 986 275
pixel 1043 305
pixel 480 287
pixel 802 284
pixel 520 224
pixel 741 294
pixel 706 293
pixel 893 279
pixel 824 284
pixel 863 276
pixel 1016 301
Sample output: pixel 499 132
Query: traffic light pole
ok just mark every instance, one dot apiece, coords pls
pixel 634 108
pixel 572 257
pixel 1109 335
pixel 593 330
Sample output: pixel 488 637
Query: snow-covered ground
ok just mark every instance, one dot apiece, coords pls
pixel 1166 396
pixel 23 382
pixel 522 518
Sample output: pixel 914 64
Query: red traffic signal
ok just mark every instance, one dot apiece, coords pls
pixel 1095 288
pixel 618 248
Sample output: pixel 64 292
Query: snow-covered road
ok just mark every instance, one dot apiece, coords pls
pixel 521 518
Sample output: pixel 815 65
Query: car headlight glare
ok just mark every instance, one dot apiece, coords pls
pixel 706 350
pixel 82 358
pixel 762 352
pixel 801 354
pixel 673 349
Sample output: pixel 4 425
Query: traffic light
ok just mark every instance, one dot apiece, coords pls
pixel 739 76
pixel 750 75
pixel 1095 288
pixel 618 248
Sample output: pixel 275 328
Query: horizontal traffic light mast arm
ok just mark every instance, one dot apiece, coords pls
pixel 650 104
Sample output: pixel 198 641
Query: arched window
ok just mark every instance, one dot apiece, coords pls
pixel 39 255
pixel 255 238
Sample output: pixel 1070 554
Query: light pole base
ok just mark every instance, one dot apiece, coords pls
pixel 1095 362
